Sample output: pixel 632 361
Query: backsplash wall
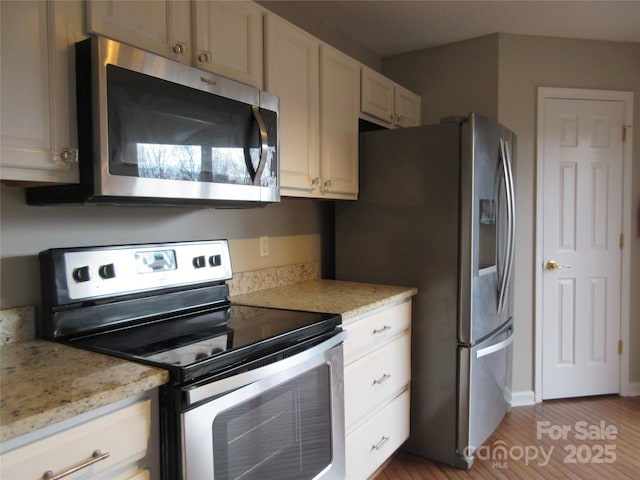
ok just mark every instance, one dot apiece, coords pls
pixel 294 226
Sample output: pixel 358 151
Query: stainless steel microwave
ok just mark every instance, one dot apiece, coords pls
pixel 155 131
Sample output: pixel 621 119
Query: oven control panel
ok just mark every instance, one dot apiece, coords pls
pixel 119 270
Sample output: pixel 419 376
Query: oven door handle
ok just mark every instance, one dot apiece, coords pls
pixel 194 395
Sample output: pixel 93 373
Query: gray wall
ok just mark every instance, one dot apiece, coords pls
pixel 454 79
pixel 294 12
pixel 498 76
pixel 26 230
pixel 527 63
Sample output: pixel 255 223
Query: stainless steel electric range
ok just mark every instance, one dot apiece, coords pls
pixel 254 393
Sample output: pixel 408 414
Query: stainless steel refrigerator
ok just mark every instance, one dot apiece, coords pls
pixel 436 211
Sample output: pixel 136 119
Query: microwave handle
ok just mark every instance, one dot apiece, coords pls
pixel 264 145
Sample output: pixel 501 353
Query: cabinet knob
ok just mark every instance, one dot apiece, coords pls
pixel 316 182
pixel 328 184
pixel 179 48
pixel 205 57
pixel 69 155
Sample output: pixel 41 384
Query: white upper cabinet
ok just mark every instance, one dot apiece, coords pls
pixel 377 96
pixel 319 90
pixel 223 37
pixel 387 103
pixel 292 62
pixel 406 107
pixel 339 102
pixel 228 39
pixel 38 91
pixel 161 26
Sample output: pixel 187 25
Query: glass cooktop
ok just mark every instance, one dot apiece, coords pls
pixel 215 338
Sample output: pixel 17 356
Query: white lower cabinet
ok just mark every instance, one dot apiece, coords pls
pixel 377 379
pixel 371 444
pixel 370 381
pixel 112 447
pixel 142 475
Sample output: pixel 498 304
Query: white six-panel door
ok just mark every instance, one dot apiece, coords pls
pixel 582 227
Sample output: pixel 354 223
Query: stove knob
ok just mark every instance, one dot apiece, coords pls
pixel 82 274
pixel 199 262
pixel 215 260
pixel 107 271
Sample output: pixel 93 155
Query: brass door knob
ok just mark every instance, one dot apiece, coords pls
pixel 553 265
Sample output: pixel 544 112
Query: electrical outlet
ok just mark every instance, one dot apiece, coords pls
pixel 264 246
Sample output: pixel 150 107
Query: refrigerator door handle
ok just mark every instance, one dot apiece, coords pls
pixel 488 350
pixel 509 247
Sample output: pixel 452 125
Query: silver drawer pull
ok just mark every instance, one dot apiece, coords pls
pixel 96 456
pixel 382 379
pixel 379 445
pixel 380 330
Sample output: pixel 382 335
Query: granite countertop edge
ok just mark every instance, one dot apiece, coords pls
pixel 44 383
pixel 347 298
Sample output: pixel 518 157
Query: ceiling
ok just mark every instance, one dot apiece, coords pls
pixel 392 27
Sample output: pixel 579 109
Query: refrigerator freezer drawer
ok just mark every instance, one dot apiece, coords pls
pixel 485 383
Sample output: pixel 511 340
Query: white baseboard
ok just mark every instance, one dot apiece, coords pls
pixel 527 397
pixel 633 390
pixel 520 399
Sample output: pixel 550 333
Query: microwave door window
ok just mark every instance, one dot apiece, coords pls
pixel 162 130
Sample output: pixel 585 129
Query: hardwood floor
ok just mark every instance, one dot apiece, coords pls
pixel 579 439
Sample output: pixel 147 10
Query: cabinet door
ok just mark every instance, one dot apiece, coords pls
pixel 291 72
pixel 339 107
pixel 407 107
pixel 377 96
pixel 228 39
pixel 121 440
pixel 161 26
pixel 38 90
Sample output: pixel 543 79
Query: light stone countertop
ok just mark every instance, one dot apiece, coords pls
pixel 44 383
pixel 350 299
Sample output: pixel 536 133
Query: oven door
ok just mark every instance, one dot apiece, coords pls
pixel 286 422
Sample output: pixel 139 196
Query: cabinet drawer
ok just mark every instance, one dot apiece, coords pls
pixel 376 377
pixel 374 442
pixel 374 330
pixel 123 434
